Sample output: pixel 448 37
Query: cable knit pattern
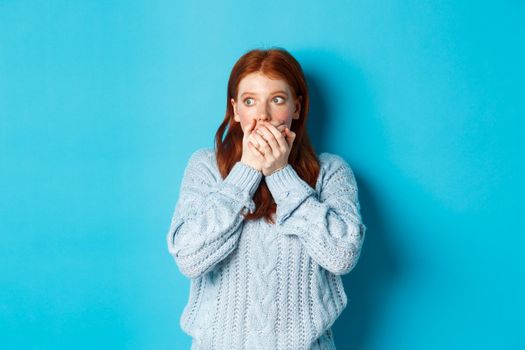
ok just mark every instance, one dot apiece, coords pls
pixel 260 286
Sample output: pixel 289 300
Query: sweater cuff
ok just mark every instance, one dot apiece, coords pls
pixel 244 176
pixel 285 181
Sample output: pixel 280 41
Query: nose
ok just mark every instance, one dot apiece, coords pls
pixel 263 114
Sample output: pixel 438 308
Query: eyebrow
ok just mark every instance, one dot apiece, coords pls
pixel 275 92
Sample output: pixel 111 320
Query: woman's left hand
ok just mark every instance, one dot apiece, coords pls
pixel 275 144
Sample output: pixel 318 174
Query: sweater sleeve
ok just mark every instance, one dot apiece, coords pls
pixel 329 225
pixel 207 218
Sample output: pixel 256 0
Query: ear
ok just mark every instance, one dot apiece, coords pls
pixel 235 115
pixel 297 111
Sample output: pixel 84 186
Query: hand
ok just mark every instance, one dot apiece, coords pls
pixel 250 155
pixel 273 145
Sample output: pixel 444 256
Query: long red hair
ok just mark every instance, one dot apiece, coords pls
pixel 275 63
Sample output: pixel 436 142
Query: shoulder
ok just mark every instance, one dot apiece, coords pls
pixel 204 154
pixel 332 167
pixel 202 162
pixel 331 162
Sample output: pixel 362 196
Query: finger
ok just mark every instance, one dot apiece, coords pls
pixel 248 129
pixel 290 137
pixel 254 149
pixel 264 147
pixel 250 126
pixel 255 143
pixel 275 130
pixel 279 137
pixel 262 143
pixel 269 136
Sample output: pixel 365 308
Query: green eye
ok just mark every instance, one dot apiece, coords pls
pixel 278 97
pixel 246 99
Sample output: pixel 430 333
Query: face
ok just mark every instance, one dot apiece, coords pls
pixel 262 98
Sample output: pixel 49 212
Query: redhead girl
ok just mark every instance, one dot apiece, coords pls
pixel 264 227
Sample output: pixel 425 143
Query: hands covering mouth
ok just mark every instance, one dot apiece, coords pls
pixel 266 147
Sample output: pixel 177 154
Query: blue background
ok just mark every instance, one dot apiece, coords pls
pixel 102 103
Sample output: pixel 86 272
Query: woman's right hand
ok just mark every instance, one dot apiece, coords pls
pixel 250 155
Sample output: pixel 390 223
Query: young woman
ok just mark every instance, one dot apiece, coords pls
pixel 263 226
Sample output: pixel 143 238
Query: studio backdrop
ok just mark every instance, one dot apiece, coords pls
pixel 103 102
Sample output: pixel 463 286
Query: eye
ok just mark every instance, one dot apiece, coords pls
pixel 246 101
pixel 276 99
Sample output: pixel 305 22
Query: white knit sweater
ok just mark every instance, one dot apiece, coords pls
pixel 255 285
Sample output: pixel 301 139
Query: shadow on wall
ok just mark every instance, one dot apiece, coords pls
pixel 368 285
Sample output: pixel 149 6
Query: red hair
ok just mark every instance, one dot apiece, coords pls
pixel 275 63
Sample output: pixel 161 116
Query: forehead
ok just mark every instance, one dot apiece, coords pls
pixel 260 83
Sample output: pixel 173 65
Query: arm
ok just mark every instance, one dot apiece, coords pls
pixel 329 227
pixel 206 223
